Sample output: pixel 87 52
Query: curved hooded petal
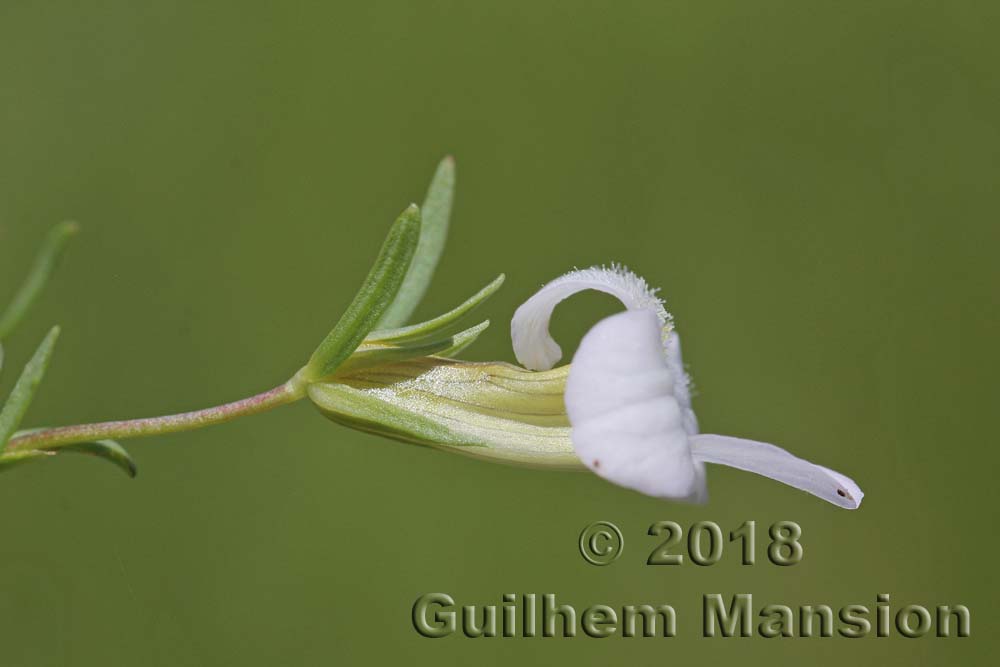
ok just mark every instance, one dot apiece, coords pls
pixel 627 424
pixel 771 461
pixel 535 348
pixel 529 328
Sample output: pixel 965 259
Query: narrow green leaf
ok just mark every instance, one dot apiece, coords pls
pixel 109 450
pixel 441 322
pixel 376 293
pixel 369 355
pixel 436 213
pixel 462 340
pixel 45 264
pixel 24 391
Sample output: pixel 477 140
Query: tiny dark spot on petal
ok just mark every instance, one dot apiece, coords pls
pixel 597 463
pixel 840 492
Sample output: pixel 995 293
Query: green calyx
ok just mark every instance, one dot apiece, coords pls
pixel 487 410
pixel 399 381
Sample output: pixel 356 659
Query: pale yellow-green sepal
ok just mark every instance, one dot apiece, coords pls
pixel 488 410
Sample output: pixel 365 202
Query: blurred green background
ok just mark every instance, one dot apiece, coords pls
pixel 814 185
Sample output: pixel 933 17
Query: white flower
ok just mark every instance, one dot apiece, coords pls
pixel 629 404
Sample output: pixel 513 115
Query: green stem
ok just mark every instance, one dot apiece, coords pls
pixel 49 438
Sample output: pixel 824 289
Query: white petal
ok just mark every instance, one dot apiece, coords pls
pixel 529 329
pixel 628 426
pixel 682 388
pixel 774 462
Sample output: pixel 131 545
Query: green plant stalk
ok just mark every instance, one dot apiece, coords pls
pixel 50 438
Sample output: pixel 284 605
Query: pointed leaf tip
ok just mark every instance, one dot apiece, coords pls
pixel 436 326
pixel 109 450
pixel 464 339
pixel 436 213
pixel 45 264
pixel 25 388
pixel 380 353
